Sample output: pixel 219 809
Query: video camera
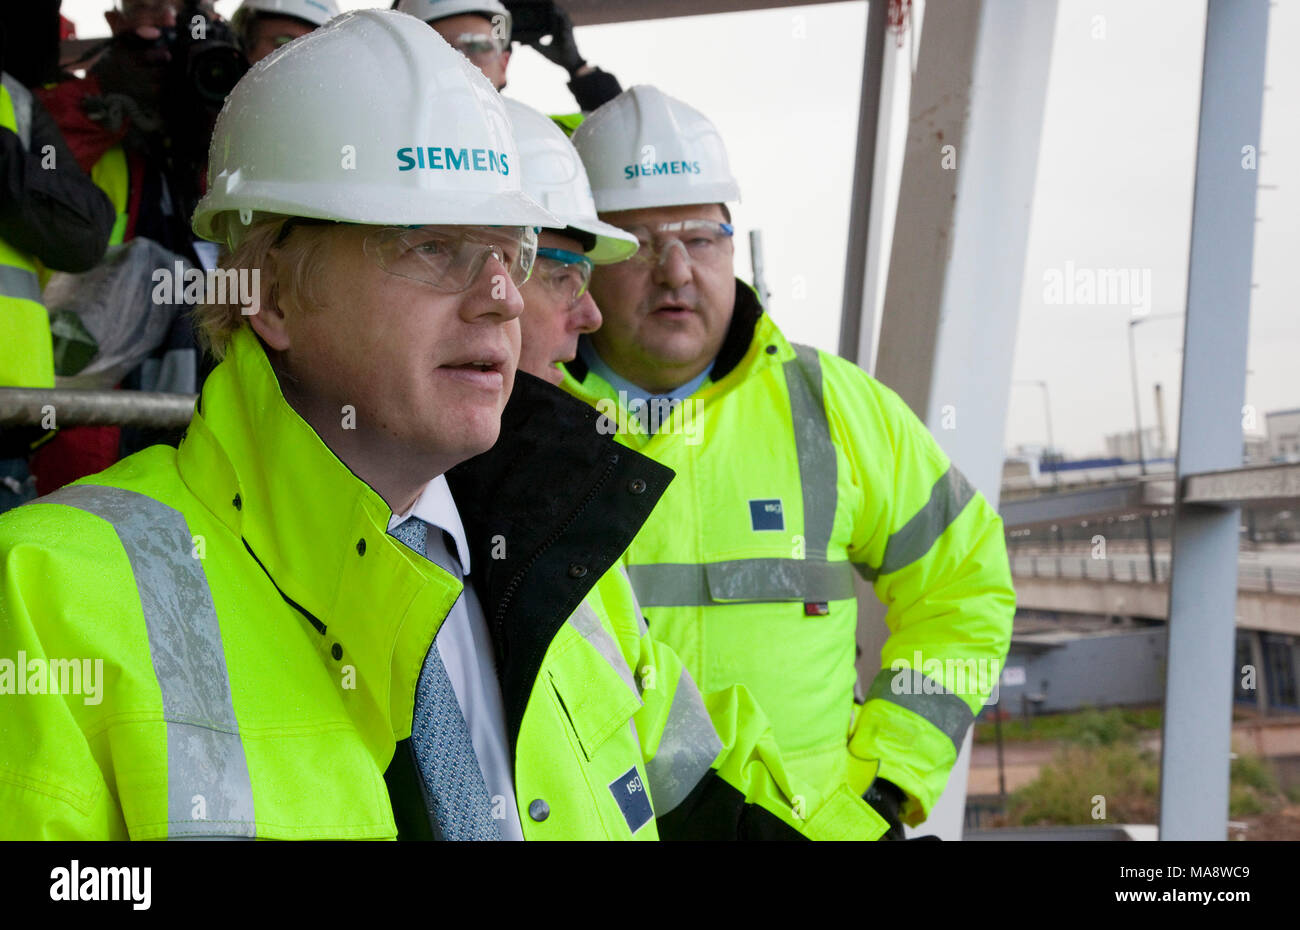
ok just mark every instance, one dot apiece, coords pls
pixel 200 62
pixel 205 59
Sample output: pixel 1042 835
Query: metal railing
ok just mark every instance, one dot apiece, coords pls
pixel 1270 579
pixel 58 407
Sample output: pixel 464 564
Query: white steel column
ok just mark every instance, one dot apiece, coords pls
pixel 1203 582
pixel 952 300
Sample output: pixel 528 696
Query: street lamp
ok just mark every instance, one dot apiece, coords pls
pixel 1132 358
pixel 1137 421
pixel 1047 409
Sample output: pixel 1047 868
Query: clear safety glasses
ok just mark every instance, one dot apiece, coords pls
pixel 704 242
pixel 450 258
pixel 476 46
pixel 567 274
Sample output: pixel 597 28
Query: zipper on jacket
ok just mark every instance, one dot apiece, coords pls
pixel 498 621
pixel 320 627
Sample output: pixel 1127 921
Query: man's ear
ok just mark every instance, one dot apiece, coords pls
pixel 116 21
pixel 269 322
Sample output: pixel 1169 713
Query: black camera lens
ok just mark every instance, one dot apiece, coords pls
pixel 214 71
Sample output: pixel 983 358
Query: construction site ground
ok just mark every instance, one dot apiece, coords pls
pixel 1276 739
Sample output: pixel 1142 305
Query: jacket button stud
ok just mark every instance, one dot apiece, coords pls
pixel 636 486
pixel 239 504
pixel 336 651
pixel 539 810
pixel 771 350
pixel 577 571
pixel 361 547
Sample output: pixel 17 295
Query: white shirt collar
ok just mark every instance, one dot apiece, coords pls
pixel 436 507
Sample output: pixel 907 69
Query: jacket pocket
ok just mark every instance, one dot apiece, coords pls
pixel 597 701
pixel 597 697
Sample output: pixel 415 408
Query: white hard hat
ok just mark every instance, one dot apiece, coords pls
pixel 429 10
pixel 316 12
pixel 553 176
pixel 646 149
pixel 372 118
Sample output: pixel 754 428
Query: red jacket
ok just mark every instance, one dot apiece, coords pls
pixel 88 139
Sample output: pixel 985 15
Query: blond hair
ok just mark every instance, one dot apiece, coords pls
pixel 288 273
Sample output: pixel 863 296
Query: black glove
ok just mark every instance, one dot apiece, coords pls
pixel 887 799
pixel 563 50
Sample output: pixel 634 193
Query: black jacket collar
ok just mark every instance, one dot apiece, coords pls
pixel 547 511
pixel 740 332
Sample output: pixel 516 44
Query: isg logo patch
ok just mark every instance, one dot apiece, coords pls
pixel 766 515
pixel 629 791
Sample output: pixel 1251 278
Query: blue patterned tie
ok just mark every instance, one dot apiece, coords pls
pixel 443 748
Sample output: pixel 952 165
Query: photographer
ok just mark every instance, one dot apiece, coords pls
pixel 139 124
pixel 481 30
pixel 51 217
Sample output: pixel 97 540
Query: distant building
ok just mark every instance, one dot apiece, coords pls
pixel 1056 672
pixel 1255 450
pixel 1124 445
pixel 1060 671
pixel 1283 427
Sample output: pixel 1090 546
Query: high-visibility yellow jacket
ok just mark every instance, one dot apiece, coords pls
pixel 111 174
pixel 794 469
pixel 26 349
pixel 260 638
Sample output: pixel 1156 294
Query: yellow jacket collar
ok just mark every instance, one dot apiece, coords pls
pixel 319 533
pixel 753 343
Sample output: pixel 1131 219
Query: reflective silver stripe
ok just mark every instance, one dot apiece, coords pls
pixel 206 765
pixel 636 605
pixel 950 494
pixel 586 622
pixel 812 439
pixel 21 98
pixel 20 283
pixel 687 585
pixel 687 749
pixel 941 707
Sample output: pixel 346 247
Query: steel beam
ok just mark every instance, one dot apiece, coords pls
pixel 1128 497
pixel 953 294
pixel 591 12
pixel 858 310
pixel 1203 581
pixel 1265 484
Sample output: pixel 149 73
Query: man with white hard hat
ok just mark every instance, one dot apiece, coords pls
pixel 804 469
pixel 365 471
pixel 265 25
pixel 482 30
pixel 558 307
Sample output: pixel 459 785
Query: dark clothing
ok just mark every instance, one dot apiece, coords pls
pixel 152 208
pixel 95 114
pixel 564 535
pixel 49 207
pixel 594 89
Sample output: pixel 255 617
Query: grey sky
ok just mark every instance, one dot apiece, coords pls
pixel 1114 191
pixel 1114 187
